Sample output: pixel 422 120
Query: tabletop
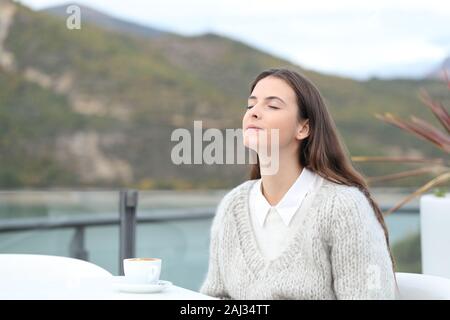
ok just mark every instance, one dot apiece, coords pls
pixel 92 288
pixel 45 277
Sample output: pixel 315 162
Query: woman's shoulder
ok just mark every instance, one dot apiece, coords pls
pixel 341 192
pixel 343 209
pixel 240 189
pixel 338 201
pixel 235 196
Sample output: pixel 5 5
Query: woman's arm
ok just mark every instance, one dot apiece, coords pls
pixel 360 260
pixel 214 284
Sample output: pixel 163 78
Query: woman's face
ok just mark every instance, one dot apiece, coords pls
pixel 273 105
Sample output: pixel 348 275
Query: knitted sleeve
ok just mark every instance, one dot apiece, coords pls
pixel 213 285
pixel 360 260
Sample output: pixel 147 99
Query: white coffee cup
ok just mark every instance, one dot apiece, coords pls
pixel 142 270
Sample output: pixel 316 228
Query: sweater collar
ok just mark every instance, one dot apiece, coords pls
pixel 255 260
pixel 290 202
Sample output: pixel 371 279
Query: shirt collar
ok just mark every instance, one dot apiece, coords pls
pixel 290 202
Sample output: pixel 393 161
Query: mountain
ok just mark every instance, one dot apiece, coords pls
pixel 96 107
pixel 105 21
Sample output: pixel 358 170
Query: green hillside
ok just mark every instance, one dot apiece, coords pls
pixel 121 96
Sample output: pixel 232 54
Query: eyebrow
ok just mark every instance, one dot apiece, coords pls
pixel 268 98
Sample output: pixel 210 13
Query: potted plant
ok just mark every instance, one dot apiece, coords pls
pixel 435 233
pixel 434 207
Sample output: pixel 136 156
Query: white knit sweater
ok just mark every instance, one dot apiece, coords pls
pixel 339 251
pixel 275 226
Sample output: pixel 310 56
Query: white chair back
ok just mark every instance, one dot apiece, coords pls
pixel 32 276
pixel 416 286
pixel 42 268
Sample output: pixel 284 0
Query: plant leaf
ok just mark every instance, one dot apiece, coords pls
pixel 397 159
pixel 408 173
pixel 437 108
pixel 417 130
pixel 432 131
pixel 436 181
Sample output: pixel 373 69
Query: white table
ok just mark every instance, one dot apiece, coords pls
pixel 93 288
pixel 38 277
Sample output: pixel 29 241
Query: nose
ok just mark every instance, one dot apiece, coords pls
pixel 255 112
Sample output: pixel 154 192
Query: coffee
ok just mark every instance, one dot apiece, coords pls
pixel 143 259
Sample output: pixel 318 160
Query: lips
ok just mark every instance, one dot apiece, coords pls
pixel 253 128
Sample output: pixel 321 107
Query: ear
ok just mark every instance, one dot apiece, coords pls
pixel 303 130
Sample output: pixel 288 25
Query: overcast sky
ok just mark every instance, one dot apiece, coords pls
pixel 358 39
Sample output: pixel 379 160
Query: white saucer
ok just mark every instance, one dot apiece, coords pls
pixel 121 284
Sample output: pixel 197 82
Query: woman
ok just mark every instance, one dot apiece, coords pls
pixel 309 230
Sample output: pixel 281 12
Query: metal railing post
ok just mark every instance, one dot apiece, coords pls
pixel 128 201
pixel 77 249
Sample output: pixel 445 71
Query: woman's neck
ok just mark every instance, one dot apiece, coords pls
pixel 275 186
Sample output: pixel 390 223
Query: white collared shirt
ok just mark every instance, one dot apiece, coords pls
pixel 275 225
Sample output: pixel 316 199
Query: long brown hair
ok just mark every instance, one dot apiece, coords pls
pixel 322 151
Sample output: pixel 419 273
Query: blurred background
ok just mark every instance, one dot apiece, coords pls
pixel 88 111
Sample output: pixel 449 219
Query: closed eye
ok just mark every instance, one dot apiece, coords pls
pixel 272 107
